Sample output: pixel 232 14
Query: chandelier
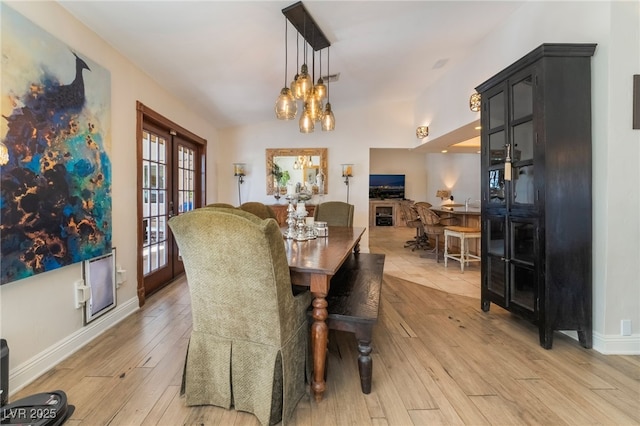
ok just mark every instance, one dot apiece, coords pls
pixel 311 95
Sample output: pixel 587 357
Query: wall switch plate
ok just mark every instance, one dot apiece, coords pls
pixel 625 327
pixel 121 276
pixel 82 293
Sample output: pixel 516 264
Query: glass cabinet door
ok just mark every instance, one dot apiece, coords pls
pixel 523 287
pixel 522 252
pixel 495 151
pixel 496 235
pixel 521 96
pixel 496 186
pixel 522 140
pixel 496 110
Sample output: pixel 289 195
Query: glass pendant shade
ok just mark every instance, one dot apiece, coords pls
pixel 296 90
pixel 320 113
pixel 321 90
pixel 314 107
pixel 306 123
pixel 328 120
pixel 305 83
pixel 286 107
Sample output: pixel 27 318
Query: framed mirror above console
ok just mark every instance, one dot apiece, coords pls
pixel 296 165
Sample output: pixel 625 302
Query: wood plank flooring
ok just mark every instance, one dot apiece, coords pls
pixel 437 359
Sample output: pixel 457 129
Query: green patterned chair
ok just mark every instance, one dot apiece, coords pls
pixel 248 346
pixel 261 210
pixel 335 213
pixel 225 205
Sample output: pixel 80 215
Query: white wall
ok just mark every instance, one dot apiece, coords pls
pixel 37 316
pixel 460 173
pixel 616 148
pixel 617 178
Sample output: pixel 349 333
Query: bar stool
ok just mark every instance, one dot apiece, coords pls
pixel 464 234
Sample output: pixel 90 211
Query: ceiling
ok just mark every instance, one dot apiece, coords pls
pixel 226 58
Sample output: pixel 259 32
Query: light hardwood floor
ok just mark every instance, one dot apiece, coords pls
pixel 438 359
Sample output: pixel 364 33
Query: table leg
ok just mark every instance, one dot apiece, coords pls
pixel 319 339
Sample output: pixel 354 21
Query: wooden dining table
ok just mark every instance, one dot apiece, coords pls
pixel 312 264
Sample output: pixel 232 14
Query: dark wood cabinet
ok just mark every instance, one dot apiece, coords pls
pixel 536 190
pixel 281 212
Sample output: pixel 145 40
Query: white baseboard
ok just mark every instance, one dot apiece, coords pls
pixel 30 370
pixel 616 344
pixel 612 344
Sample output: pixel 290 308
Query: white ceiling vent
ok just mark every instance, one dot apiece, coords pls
pixel 440 63
pixel 331 78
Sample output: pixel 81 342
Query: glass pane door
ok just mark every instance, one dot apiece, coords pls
pixel 169 187
pixel 185 154
pixel 154 202
pixel 186 178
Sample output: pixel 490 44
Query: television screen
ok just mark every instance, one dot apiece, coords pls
pixel 386 186
pixel 100 277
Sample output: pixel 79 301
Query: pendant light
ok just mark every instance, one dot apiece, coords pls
pixel 321 89
pixel 304 87
pixel 314 107
pixel 286 107
pixel 294 84
pixel 328 119
pixel 306 123
pixel 304 81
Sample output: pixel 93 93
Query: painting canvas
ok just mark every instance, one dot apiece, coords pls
pixel 55 184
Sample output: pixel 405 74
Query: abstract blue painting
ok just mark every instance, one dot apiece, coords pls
pixel 55 185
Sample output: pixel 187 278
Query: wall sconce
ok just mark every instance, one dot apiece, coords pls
pixel 443 193
pixel 239 172
pixel 422 132
pixel 474 102
pixel 347 172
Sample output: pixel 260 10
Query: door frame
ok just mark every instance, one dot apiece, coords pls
pixel 146 114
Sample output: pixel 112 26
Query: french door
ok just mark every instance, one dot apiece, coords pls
pixel 171 181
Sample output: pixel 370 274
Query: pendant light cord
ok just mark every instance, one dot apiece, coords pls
pixel 286 51
pixel 313 76
pixel 328 76
pixel 297 53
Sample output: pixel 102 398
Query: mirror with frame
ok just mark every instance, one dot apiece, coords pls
pixel 295 165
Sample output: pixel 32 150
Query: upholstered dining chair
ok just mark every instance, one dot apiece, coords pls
pixel 248 345
pixel 433 225
pixel 411 219
pixel 225 205
pixel 335 213
pixel 261 210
